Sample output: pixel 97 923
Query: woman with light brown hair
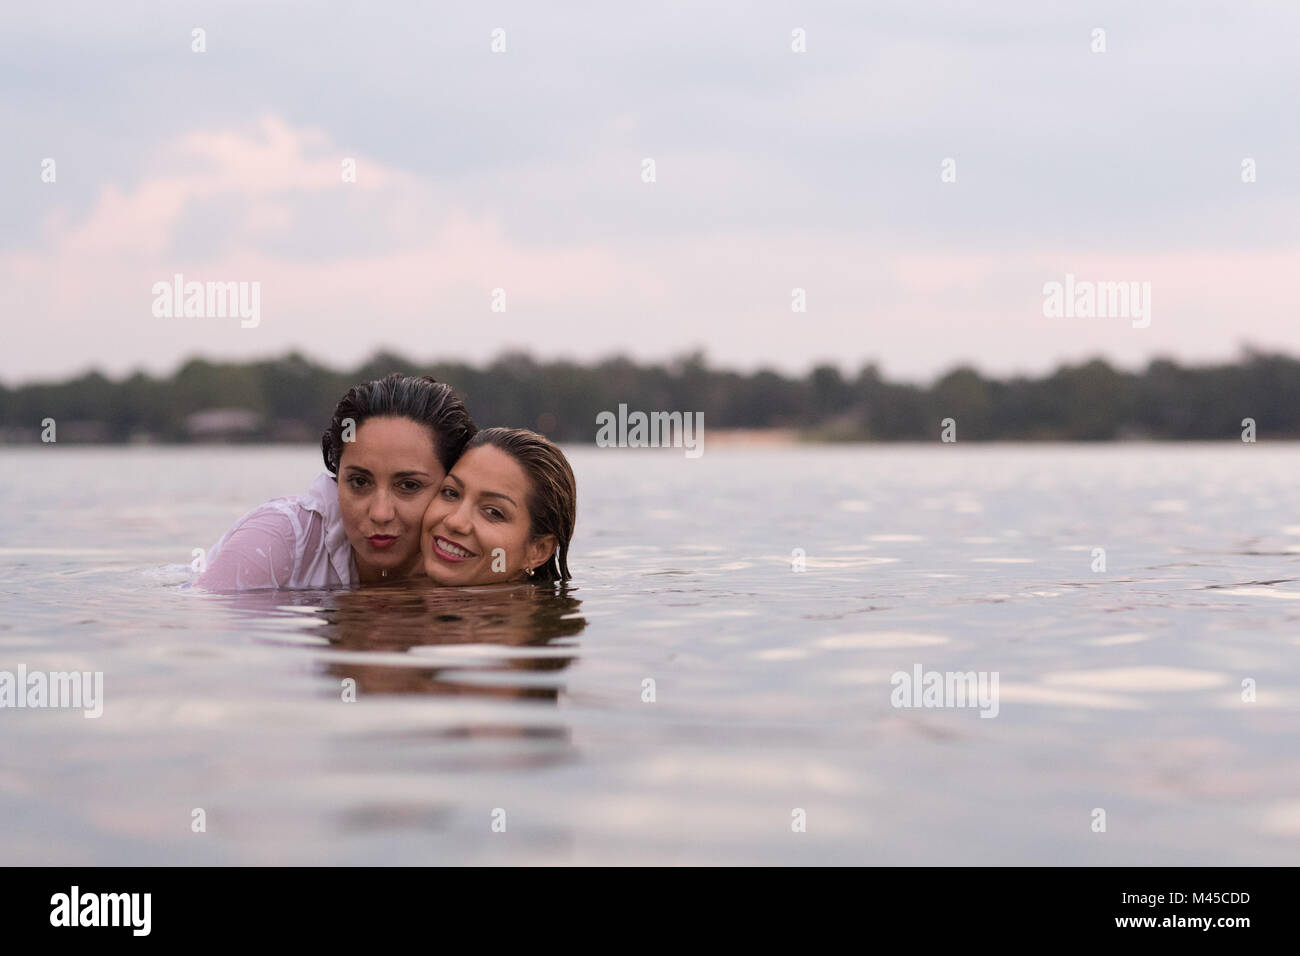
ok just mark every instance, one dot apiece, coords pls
pixel 505 513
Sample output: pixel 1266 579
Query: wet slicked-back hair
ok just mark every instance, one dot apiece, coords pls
pixel 552 495
pixel 421 398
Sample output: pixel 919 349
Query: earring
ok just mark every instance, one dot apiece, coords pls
pixel 528 571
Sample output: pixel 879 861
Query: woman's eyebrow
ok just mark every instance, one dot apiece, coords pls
pixel 396 474
pixel 483 494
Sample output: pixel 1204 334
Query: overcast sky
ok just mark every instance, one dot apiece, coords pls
pixel 523 170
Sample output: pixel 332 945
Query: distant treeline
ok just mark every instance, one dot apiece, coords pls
pixel 292 399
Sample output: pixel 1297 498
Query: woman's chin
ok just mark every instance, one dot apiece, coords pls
pixel 440 574
pixel 443 576
pixel 397 565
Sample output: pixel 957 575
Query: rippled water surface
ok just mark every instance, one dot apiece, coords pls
pixel 1119 690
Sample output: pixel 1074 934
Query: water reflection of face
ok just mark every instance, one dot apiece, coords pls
pixel 415 615
pixel 400 619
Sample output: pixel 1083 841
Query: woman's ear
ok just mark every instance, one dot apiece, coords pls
pixel 539 551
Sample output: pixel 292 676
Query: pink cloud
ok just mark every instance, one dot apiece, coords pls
pixel 916 309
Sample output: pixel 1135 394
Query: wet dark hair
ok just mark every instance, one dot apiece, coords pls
pixel 421 398
pixel 552 494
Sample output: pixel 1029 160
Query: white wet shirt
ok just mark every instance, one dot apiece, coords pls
pixel 291 542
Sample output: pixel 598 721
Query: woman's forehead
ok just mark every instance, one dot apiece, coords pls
pixel 393 444
pixel 490 469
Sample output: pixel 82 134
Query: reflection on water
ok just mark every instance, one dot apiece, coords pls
pixel 500 644
pixel 696 685
pixel 380 620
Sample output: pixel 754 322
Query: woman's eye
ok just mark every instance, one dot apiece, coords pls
pixel 494 514
pixel 356 481
pixel 449 493
pixel 412 486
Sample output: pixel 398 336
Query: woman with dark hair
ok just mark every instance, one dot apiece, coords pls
pixel 387 451
pixel 504 513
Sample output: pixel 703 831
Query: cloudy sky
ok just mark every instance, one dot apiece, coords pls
pixel 523 171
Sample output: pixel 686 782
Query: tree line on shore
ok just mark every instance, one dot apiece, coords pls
pixel 292 398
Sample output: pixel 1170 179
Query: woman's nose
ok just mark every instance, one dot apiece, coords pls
pixel 381 508
pixel 459 520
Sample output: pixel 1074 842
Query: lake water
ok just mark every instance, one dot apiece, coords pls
pixel 1119 690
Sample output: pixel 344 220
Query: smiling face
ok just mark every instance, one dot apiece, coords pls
pixel 387 477
pixel 477 528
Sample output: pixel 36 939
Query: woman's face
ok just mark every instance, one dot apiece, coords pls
pixel 387 477
pixel 476 529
